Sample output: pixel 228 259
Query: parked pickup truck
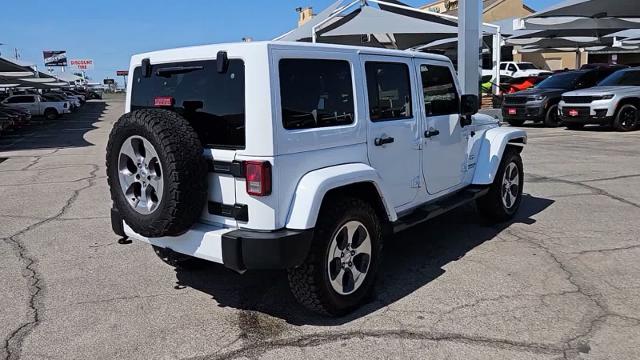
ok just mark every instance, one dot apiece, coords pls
pixel 38 105
pixel 512 69
pixel 303 157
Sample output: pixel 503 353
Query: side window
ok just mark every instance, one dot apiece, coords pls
pixel 512 67
pixel 316 93
pixel 503 66
pixel 440 93
pixel 21 100
pixel 389 89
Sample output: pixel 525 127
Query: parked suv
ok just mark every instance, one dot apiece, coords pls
pixel 301 157
pixel 540 103
pixel 615 101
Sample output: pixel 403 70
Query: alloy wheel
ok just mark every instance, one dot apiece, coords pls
pixel 140 174
pixel 510 185
pixel 628 118
pixel 349 257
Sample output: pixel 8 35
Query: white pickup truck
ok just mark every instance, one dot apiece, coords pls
pixel 38 105
pixel 520 69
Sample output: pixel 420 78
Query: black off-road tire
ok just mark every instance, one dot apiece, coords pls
pixel 619 122
pixel 178 260
pixel 491 205
pixel 51 114
pixel 551 118
pixel 310 282
pixel 575 126
pixel 515 122
pixel 184 171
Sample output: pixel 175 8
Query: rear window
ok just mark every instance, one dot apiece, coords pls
pixel 315 93
pixel 212 102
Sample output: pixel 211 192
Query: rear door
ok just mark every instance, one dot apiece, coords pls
pixel 445 148
pixel 214 105
pixel 393 141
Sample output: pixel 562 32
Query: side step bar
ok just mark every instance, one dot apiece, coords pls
pixel 439 207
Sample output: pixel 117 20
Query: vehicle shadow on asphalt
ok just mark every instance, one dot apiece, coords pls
pixel 412 259
pixel 65 132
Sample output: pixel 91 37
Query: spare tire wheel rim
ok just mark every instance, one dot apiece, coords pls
pixel 140 175
pixel 349 257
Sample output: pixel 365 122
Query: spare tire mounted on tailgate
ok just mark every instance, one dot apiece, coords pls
pixel 156 172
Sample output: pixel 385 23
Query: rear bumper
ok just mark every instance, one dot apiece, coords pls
pixel 238 250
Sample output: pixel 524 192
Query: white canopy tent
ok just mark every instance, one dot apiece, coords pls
pixel 586 14
pixel 399 26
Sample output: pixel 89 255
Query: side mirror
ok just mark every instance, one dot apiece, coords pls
pixel 469 105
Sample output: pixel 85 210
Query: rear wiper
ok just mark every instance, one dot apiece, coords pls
pixel 168 71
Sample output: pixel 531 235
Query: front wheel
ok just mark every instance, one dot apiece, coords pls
pixel 51 114
pixel 552 118
pixel 505 194
pixel 626 118
pixel 340 270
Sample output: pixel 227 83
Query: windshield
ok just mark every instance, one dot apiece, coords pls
pixel 527 66
pixel 560 81
pixel 622 78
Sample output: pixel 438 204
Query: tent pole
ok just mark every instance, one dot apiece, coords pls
pixel 497 56
pixel 469 45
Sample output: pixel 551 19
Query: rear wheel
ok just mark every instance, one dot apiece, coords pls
pixel 505 194
pixel 340 270
pixel 626 118
pixel 51 114
pixel 552 119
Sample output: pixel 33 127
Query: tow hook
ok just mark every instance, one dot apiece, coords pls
pixel 124 241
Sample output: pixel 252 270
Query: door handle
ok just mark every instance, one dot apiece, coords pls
pixel 383 140
pixel 431 133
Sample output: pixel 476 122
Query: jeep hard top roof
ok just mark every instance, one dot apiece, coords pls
pixel 209 51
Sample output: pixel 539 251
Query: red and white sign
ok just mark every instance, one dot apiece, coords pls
pixel 573 112
pixel 81 64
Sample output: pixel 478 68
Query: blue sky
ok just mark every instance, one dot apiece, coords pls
pixel 111 31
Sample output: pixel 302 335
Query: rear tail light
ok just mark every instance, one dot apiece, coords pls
pixel 258 175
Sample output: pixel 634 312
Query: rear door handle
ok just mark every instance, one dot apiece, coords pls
pixel 383 140
pixel 431 133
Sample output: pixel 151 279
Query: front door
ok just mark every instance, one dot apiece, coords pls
pixel 393 137
pixel 445 151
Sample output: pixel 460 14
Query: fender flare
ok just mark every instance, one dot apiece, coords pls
pixel 314 185
pixel 493 145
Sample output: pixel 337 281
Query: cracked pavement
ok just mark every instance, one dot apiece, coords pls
pixel 562 281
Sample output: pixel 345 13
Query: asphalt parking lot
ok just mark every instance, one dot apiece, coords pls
pixel 561 281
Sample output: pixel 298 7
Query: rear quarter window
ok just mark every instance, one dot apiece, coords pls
pixel 315 93
pixel 212 102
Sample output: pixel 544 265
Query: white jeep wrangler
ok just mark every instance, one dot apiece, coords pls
pixel 301 157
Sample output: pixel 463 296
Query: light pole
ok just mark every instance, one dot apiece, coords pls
pixel 469 22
